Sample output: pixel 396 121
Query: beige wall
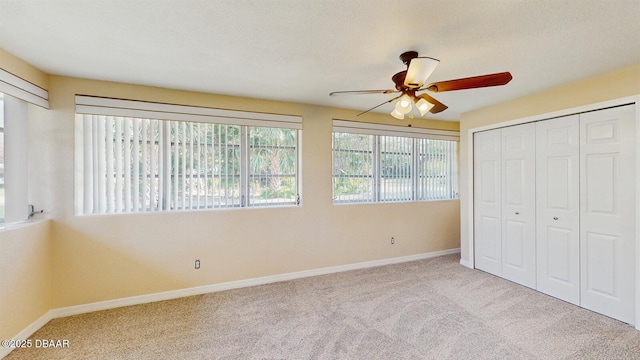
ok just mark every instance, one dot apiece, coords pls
pixel 613 85
pixel 107 257
pixel 25 276
pixel 26 253
pixel 22 69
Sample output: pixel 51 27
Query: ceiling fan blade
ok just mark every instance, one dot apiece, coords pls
pixel 471 82
pixel 358 92
pixel 377 106
pixel 437 105
pixel 419 70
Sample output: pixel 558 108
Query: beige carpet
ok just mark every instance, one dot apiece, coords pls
pixel 427 309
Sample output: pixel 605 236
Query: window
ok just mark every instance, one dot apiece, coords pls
pixel 353 161
pixel 138 164
pixel 17 97
pixel 437 167
pixel 378 163
pixel 13 159
pixel 273 163
pixel 396 178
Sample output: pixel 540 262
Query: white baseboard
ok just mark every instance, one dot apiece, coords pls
pixel 466 263
pixel 28 331
pixel 198 290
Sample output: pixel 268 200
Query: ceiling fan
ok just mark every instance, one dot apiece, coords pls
pixel 409 82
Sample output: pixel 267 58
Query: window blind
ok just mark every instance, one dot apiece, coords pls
pixel 134 164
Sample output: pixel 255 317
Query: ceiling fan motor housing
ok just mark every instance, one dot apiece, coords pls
pixel 398 79
pixel 407 56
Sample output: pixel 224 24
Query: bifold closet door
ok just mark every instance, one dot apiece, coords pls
pixel 607 212
pixel 558 208
pixel 518 204
pixel 487 201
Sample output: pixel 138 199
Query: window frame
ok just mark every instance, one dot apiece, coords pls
pixel 379 133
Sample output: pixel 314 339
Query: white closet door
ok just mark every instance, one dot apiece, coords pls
pixel 518 204
pixel 558 208
pixel 487 201
pixel 607 203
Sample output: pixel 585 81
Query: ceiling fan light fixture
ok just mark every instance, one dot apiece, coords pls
pixel 403 106
pixel 398 115
pixel 424 106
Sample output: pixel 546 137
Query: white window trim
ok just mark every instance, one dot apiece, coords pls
pixel 22 89
pixel 142 109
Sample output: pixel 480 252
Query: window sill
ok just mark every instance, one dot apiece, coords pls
pixel 21 224
pixel 393 202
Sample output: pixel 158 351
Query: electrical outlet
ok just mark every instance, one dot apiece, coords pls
pixel 393 240
pixel 197 264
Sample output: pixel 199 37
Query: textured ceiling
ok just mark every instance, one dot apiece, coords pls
pixel 300 50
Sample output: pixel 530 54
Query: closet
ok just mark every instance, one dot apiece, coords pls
pixel 554 207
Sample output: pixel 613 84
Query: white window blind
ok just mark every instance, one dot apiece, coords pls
pixel 381 163
pixel 2 161
pixel 16 95
pixel 396 168
pixel 134 164
pixel 437 166
pixel 14 134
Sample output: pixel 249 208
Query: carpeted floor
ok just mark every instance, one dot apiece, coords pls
pixel 427 309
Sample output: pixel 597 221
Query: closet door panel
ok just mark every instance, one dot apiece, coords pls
pixel 487 202
pixel 608 212
pixel 514 251
pixel 558 208
pixel 491 249
pixel 518 205
pixel 561 258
